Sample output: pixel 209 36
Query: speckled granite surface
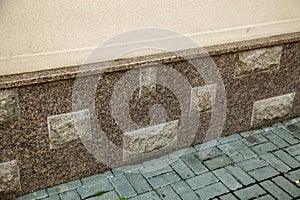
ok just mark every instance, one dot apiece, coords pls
pixel 49 93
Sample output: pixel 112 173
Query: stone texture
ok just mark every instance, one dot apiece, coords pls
pixel 164 179
pixel 272 108
pixel 150 139
pixel 202 180
pixel 250 192
pixel 289 187
pixel 258 60
pixel 64 187
pixel 184 191
pixel 9 106
pixel 275 190
pixel 148 80
pixel 167 193
pixel 263 173
pixel 227 179
pixel 211 191
pixel 69 127
pixel 9 177
pixel 123 187
pixel 203 98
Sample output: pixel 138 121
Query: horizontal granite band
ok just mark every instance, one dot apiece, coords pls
pixel 10 81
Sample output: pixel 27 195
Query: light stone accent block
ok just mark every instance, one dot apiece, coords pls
pixel 69 127
pixel 272 108
pixel 9 108
pixel 203 98
pixel 258 60
pixel 148 80
pixel 150 139
pixel 9 177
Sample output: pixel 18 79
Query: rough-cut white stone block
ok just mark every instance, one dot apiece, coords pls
pixel 258 60
pixel 9 177
pixel 148 80
pixel 272 108
pixel 150 139
pixel 9 109
pixel 203 98
pixel 69 127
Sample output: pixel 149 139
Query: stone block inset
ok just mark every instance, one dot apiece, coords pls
pixel 150 139
pixel 203 98
pixel 69 127
pixel 258 60
pixel 9 177
pixel 272 108
pixel 9 108
pixel 148 80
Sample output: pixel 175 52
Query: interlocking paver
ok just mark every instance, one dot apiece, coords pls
pixel 252 164
pixel 243 149
pixel 287 159
pixel 91 180
pixel 280 143
pixel 148 173
pixel 164 179
pixel 228 196
pixel 34 195
pixel 240 175
pixel 202 180
pixel 293 128
pixel 53 197
pixel 284 134
pixel 138 182
pixel 205 145
pixel 254 139
pixel 275 162
pixel 149 195
pixel 194 163
pixel 231 152
pixel 293 176
pixel 264 148
pixel 64 187
pixel 184 191
pixel 69 195
pixel 208 153
pixel 123 187
pixel 294 150
pixel 212 191
pixel 263 173
pixel 286 185
pixel 111 195
pixel 229 138
pixel 102 186
pixel 167 193
pixel 182 169
pixel 265 197
pixel 275 190
pixel 250 192
pixel 227 179
pixel 218 162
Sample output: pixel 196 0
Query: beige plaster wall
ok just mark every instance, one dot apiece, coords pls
pixel 37 35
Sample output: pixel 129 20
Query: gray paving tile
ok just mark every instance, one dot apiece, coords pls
pixel 34 195
pixel 280 143
pixel 293 150
pixel 243 149
pixel 254 139
pixel 265 197
pixel 123 187
pixel 251 132
pixel 53 197
pixel 184 191
pixel 284 134
pixel 264 148
pixel 297 158
pixel 231 152
pixel 240 175
pixel 286 185
pixel 218 162
pixel 263 173
pixel 228 196
pixel 208 153
pixel 211 143
pixel 252 164
pixel 138 182
pixel 201 180
pixel 102 186
pixel 182 169
pixel 293 176
pixel 229 138
pixel 91 180
pixel 227 179
pixel 211 191
pixel 293 128
pixel 275 162
pixel 111 195
pixel 64 187
pixel 275 190
pixel 194 163
pixel 69 195
pixel 167 193
pixel 287 159
pixel 147 196
pixel 250 192
pixel 148 173
pixel 164 179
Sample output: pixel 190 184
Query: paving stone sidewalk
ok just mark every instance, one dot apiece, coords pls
pixel 259 164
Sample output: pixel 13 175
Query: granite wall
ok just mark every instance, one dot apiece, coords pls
pixel 45 140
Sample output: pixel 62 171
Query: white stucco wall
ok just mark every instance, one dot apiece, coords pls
pixel 36 35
